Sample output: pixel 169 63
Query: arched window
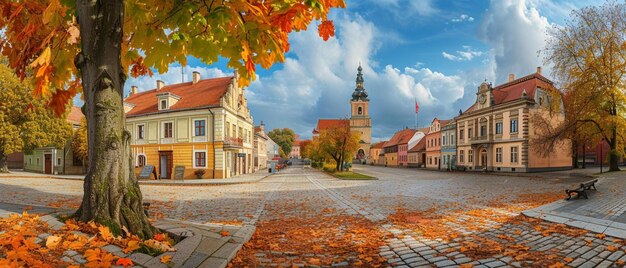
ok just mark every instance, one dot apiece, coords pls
pixel 141 160
pixel 360 110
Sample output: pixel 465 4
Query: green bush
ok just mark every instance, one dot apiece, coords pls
pixel 329 167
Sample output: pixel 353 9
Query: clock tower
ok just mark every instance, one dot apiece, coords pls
pixel 484 96
pixel 360 120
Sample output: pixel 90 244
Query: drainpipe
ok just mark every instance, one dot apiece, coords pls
pixel 213 139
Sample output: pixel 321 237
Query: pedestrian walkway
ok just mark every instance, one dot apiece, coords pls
pixel 202 245
pixel 604 211
pixel 243 178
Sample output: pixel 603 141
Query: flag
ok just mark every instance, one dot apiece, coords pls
pixel 417 107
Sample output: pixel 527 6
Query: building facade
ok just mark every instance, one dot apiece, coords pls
pixel 433 144
pixel 260 147
pixel 397 148
pixel 496 133
pixel 376 153
pixel 359 121
pixel 52 160
pixel 448 145
pixel 272 149
pixel 417 154
pixel 295 150
pixel 200 125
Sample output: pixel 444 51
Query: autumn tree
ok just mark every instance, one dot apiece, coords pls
pixel 79 141
pixel 339 144
pixel 25 122
pixel 91 47
pixel 304 148
pixel 284 137
pixel 589 59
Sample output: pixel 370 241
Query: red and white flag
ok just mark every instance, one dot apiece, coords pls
pixel 417 107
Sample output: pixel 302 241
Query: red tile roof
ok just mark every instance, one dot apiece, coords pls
pixel 401 137
pixel 204 93
pixel 75 115
pixel 378 145
pixel 420 146
pixel 323 124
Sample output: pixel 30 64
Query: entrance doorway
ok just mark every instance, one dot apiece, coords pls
pixel 47 163
pixel 166 160
pixel 483 158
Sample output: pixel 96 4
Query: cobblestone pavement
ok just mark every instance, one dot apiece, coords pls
pixel 428 218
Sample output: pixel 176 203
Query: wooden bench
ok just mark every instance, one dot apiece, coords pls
pixel 582 190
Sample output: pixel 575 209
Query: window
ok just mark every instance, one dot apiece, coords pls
pixel 58 161
pixel 200 159
pixel 461 136
pixel 461 156
pixel 514 154
pixel 444 140
pixel 498 155
pixel 140 132
pixel 483 131
pixel 452 139
pixel 200 127
pixel 163 104
pixel 360 110
pixel 167 130
pixel 227 129
pixel 469 133
pixel 470 156
pixel 499 128
pixel 141 160
pixel 513 125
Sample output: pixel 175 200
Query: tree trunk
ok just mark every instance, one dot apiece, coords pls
pixel 613 156
pixel 4 168
pixel 575 153
pixel 111 192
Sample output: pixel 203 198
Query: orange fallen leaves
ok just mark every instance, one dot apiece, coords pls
pixel 224 233
pixel 126 262
pixel 612 248
pixel 52 241
pixel 166 259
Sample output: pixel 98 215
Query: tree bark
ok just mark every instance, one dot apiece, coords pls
pixel 613 156
pixel 575 153
pixel 4 168
pixel 111 193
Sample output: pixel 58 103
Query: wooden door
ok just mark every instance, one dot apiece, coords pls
pixel 166 161
pixel 47 164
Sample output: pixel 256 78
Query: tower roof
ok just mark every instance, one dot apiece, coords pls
pixel 359 93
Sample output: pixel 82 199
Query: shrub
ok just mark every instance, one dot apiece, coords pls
pixel 199 173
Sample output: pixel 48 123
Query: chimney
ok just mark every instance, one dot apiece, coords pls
pixel 511 77
pixel 133 90
pixel 539 69
pixel 196 77
pixel 262 126
pixel 160 84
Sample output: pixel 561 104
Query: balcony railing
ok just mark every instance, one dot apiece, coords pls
pixel 481 139
pixel 233 142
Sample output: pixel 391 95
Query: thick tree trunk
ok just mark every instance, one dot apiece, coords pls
pixel 4 168
pixel 613 156
pixel 575 154
pixel 112 196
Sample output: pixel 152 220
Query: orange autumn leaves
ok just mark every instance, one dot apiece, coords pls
pixel 18 246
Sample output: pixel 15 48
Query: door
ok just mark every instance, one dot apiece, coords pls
pixel 165 164
pixel 483 158
pixel 47 163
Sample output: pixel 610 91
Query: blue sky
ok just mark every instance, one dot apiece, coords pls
pixel 437 52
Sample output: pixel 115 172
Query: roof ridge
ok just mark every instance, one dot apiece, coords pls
pixel 523 79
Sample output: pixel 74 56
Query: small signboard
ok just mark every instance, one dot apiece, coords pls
pixel 179 173
pixel 146 171
pixel 241 154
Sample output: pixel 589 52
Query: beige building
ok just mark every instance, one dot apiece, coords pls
pixel 201 125
pixel 496 133
pixel 377 155
pixel 259 153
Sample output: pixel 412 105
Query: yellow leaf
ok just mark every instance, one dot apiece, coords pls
pixel 601 236
pixel 43 59
pixel 52 241
pixel 105 233
pixel 166 259
pixel 132 246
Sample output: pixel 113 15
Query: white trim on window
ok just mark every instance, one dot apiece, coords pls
pixel 193 130
pixel 137 159
pixel 205 158
pixel 163 138
pixel 144 131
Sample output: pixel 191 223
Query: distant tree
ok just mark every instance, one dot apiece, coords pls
pixel 79 142
pixel 284 137
pixel 589 59
pixel 25 121
pixel 281 152
pixel 92 46
pixel 304 146
pixel 339 144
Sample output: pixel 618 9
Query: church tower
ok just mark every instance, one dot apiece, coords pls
pixel 360 120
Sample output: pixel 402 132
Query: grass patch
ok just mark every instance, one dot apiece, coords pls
pixel 349 175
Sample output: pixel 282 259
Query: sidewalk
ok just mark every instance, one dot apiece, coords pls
pixel 244 178
pixel 604 211
pixel 203 245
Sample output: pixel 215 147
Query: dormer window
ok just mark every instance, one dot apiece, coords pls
pixel 166 100
pixel 163 104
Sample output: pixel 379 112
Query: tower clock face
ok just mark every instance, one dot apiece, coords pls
pixel 482 98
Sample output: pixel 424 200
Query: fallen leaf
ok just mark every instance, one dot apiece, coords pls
pixel 466 265
pixel 132 246
pixel 568 259
pixel 105 232
pixel 611 248
pixel 52 241
pixel 166 259
pixel 601 236
pixel 159 237
pixel 224 233
pixel 124 262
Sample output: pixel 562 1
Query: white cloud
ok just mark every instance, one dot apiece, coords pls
pixel 406 10
pixel 463 55
pixel 516 32
pixel 463 18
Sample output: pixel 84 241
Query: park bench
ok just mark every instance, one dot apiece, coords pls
pixel 146 206
pixel 582 189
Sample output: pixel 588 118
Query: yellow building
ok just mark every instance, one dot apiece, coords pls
pixel 201 125
pixel 496 133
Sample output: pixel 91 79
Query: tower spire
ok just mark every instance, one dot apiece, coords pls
pixel 359 92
